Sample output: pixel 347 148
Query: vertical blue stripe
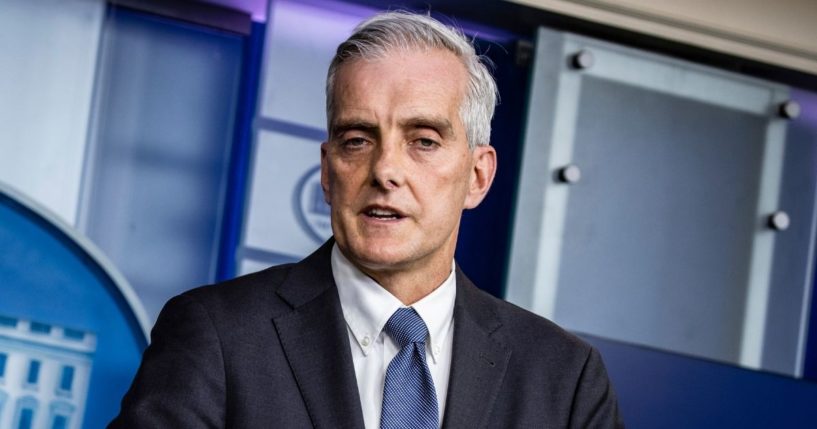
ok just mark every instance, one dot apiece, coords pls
pixel 810 361
pixel 240 154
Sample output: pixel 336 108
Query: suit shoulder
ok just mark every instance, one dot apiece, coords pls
pixel 524 329
pixel 244 291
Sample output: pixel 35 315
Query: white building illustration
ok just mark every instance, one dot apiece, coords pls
pixel 44 374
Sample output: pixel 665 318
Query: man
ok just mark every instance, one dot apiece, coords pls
pixel 378 327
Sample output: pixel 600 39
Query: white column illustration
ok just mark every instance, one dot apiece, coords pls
pixel 44 374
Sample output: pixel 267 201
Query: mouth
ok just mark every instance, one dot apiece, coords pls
pixel 382 213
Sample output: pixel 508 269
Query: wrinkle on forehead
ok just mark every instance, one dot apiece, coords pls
pixel 360 86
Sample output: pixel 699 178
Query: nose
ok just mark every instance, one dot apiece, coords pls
pixel 387 168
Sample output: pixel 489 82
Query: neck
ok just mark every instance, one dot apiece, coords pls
pixel 410 286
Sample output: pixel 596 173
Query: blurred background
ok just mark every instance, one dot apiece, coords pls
pixel 656 187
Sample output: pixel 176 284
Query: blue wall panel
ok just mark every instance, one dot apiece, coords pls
pixel 666 390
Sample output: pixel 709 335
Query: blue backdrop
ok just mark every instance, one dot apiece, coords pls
pixel 46 276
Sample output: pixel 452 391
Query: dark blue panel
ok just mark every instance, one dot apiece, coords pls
pixel 665 390
pixel 240 154
pixel 485 232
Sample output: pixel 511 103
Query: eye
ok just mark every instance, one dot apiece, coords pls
pixel 353 142
pixel 425 143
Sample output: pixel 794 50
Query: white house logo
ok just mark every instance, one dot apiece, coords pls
pixel 311 210
pixel 44 374
pixel 71 331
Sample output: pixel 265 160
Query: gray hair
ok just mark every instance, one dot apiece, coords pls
pixel 391 31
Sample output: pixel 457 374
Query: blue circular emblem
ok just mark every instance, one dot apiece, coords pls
pixel 311 210
pixel 72 331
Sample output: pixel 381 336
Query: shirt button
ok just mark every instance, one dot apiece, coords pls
pixel 437 350
pixel 365 341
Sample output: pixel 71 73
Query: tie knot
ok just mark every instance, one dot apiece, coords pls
pixel 405 326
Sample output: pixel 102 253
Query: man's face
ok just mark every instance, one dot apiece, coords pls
pixel 397 170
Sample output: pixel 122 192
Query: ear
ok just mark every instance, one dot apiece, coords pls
pixel 325 182
pixel 482 175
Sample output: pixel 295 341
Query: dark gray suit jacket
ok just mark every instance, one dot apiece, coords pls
pixel 271 350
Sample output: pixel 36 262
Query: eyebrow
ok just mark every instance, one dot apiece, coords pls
pixel 439 124
pixel 353 124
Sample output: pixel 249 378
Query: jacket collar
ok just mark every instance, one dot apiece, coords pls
pixel 313 336
pixel 479 361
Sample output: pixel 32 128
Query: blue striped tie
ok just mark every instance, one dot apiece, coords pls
pixel 409 398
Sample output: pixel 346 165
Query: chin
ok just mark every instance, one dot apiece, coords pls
pixel 378 255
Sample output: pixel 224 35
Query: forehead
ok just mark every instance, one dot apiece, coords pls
pixel 400 82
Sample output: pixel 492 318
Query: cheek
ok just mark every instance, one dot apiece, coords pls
pixel 345 186
pixel 457 180
pixel 446 193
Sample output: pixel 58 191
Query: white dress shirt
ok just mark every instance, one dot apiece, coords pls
pixel 367 307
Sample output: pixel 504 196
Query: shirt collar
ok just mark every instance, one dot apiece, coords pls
pixel 367 306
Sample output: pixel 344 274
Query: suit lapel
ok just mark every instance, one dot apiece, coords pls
pixel 479 361
pixel 314 338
